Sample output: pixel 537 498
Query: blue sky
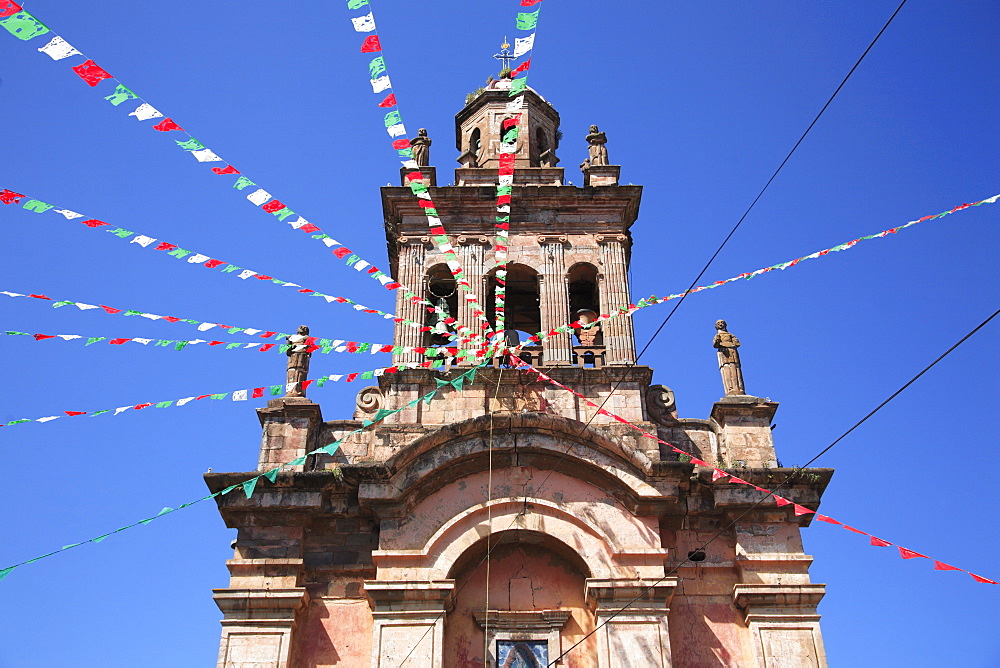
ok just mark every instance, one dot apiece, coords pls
pixel 700 102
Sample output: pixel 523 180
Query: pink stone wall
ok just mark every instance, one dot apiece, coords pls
pixel 335 633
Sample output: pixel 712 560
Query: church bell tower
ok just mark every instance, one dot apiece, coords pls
pixel 507 519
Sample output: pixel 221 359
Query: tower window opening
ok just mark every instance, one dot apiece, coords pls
pixel 475 143
pixel 522 310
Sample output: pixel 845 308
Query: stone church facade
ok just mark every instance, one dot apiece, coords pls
pixel 507 522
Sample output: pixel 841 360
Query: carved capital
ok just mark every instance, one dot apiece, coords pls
pixel 660 403
pixel 370 399
pixel 552 239
pixel 602 238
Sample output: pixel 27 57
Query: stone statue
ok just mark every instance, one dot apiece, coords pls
pixel 598 150
pixel 588 336
pixel 421 148
pixel 729 359
pixel 298 362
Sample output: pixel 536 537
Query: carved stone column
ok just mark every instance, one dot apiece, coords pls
pixel 290 425
pixel 411 274
pixel 470 254
pixel 258 625
pixel 632 632
pixel 554 299
pixel 619 337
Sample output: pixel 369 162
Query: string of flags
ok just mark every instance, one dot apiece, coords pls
pixel 244 394
pixel 24 26
pixel 249 486
pixel 724 477
pixel 9 197
pixel 312 344
pixel 404 148
pixel 650 301
pixel 526 21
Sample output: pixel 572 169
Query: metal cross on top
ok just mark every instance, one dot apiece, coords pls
pixel 505 56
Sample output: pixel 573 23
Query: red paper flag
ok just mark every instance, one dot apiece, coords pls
pixel 164 246
pixel 979 578
pixel 523 67
pixel 204 396
pixel 850 528
pixel 111 310
pixel 141 406
pixel 257 393
pixel 91 72
pixel 695 460
pixel 266 347
pixel 717 474
pixel 10 197
pixel 342 252
pixel 350 377
pixel 267 335
pixel 72 413
pixel 42 337
pixel 306 384
pixel 273 205
pixel 401 143
pixel 212 264
pixel 529 3
pixel 8 8
pixel 802 510
pixel 118 342
pixel 910 554
pixel 389 101
pixel 215 343
pixel 371 45
pixel 738 480
pixel 166 125
pixel 228 169
pixel 41 297
pixel 170 318
pixel 828 520
pixel 309 228
pixel 511 122
pixel 941 566
pixel 93 223
pixel 878 542
pixel 782 501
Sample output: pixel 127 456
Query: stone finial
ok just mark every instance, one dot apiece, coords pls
pixel 598 150
pixel 587 336
pixel 298 362
pixel 421 145
pixel 727 346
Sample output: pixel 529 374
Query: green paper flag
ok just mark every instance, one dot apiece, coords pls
pixel 298 461
pixel 331 448
pixel 376 67
pixel 429 397
pixel 165 511
pixel 272 474
pixel 99 412
pixel 66 547
pixel 355 4
pixel 94 339
pixel 100 538
pixel 64 303
pixel 219 396
pixel 226 490
pixel 120 233
pixel 392 118
pixel 366 423
pixel 442 383
pixel 249 485
pixel 230 346
pixel 517 87
pixel 120 95
pixel 191 144
pixel 5 572
pixel 180 345
pixel 458 383
pixel 24 26
pixel 382 413
pixel 164 404
pixel 276 390
pixel 527 20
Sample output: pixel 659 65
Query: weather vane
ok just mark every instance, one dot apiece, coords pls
pixel 505 56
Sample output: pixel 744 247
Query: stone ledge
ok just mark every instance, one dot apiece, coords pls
pixel 748 596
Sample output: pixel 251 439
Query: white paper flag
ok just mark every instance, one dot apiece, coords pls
pixel 523 45
pixel 246 273
pixel 48 419
pixel 58 48
pixel 364 23
pixel 205 326
pixel 206 155
pixel 516 104
pixel 150 316
pixel 360 264
pixel 122 409
pixel 69 337
pixel 251 345
pixel 298 222
pixel 259 196
pixel 198 258
pixel 69 215
pixel 410 164
pixel 250 332
pixel 142 240
pixel 11 294
pixel 396 130
pixel 144 112
pixel 380 84
pixel 85 307
pixel 181 402
pixel 240 395
pixel 142 341
pixel 290 387
pixel 506 180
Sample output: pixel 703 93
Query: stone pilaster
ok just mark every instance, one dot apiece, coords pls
pixel 619 337
pixel 783 623
pixel 408 620
pixel 258 626
pixel 290 425
pixel 411 274
pixel 632 621
pixel 554 298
